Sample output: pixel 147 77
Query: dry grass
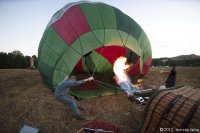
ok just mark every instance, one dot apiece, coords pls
pixel 26 100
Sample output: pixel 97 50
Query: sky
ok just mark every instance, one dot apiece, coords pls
pixel 172 26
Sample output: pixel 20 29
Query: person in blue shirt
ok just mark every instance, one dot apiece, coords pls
pixel 62 90
pixel 129 89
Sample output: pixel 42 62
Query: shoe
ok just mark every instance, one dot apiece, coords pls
pixel 136 100
pixel 80 117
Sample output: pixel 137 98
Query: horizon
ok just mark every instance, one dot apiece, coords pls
pixel 171 26
pixel 152 57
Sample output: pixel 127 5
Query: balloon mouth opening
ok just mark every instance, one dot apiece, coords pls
pixel 87 54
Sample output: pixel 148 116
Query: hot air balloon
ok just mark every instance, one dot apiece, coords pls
pixel 87 37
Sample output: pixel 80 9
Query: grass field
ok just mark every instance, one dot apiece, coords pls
pixel 26 100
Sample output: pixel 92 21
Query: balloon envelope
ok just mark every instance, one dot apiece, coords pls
pixel 89 37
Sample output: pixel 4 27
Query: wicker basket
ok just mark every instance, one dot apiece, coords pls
pixel 173 110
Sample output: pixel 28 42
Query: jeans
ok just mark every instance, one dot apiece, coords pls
pixel 62 91
pixel 68 100
pixel 128 88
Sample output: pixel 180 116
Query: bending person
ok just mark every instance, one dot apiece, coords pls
pixel 62 90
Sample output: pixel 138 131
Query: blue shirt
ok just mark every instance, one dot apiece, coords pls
pixel 128 87
pixel 64 86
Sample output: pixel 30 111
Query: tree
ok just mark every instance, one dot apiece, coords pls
pixel 14 59
pixel 17 52
pixel 3 60
pixel 27 61
pixel 35 60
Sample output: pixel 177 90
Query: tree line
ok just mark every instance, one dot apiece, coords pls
pixel 15 59
pixel 192 62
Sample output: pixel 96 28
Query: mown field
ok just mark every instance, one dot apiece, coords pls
pixel 26 100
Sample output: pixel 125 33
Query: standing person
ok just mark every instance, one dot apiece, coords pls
pixel 62 90
pixel 171 79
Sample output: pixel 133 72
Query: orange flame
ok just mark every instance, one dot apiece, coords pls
pixel 139 84
pixel 119 68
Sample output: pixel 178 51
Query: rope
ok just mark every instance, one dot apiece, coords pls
pixel 107 84
pixel 95 70
pixel 106 87
pixel 87 68
pixel 101 85
pixel 80 130
pixel 97 81
pixel 97 62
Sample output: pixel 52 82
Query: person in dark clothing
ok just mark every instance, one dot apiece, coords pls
pixel 171 79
